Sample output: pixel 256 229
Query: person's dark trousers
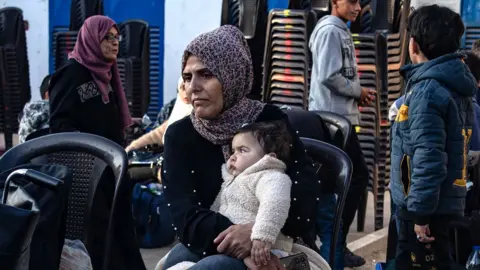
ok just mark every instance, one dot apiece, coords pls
pixel 392 232
pixel 324 229
pixel 358 184
pixel 412 254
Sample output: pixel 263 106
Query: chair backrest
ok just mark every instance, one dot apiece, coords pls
pixel 84 154
pixel 308 124
pixel 339 126
pixel 37 134
pixel 80 10
pixel 340 164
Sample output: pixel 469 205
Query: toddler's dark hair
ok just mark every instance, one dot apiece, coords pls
pixel 473 63
pixel 437 30
pixel 44 86
pixel 272 136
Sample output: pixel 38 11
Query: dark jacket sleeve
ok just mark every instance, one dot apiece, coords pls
pixel 426 116
pixel 195 225
pixel 64 99
pixel 305 189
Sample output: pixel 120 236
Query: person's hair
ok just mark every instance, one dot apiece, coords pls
pixel 476 47
pixel 437 30
pixel 272 136
pixel 44 86
pixel 473 63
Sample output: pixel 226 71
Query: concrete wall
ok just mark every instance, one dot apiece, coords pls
pixel 184 20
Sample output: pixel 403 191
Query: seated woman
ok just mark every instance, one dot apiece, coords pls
pixel 217 71
pixel 181 109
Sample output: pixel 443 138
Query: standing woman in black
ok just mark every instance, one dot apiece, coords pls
pixel 86 94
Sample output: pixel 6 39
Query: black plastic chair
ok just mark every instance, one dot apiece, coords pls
pixel 85 154
pixel 337 123
pixel 340 164
pixel 80 10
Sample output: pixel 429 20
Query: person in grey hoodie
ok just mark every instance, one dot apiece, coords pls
pixel 335 87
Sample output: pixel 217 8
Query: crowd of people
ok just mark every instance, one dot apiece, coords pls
pixel 240 187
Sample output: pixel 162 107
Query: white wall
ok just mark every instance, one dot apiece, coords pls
pixel 452 4
pixel 36 13
pixel 183 22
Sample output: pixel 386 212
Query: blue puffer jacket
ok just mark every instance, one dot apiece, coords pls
pixel 430 138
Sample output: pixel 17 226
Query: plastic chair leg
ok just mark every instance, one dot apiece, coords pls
pixel 362 212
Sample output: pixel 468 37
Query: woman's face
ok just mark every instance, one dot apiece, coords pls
pixel 109 45
pixel 203 89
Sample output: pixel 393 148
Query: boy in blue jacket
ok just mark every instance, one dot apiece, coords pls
pixel 430 136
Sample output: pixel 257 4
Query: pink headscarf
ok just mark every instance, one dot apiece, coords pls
pixel 87 52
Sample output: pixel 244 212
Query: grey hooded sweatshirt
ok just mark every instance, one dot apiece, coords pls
pixel 335 86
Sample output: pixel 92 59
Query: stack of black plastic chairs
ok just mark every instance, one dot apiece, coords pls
pixel 287 63
pixel 380 56
pixel 134 65
pixel 369 48
pixel 14 73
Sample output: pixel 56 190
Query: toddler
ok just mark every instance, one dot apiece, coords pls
pixel 256 188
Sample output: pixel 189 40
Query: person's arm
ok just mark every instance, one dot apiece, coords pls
pixel 153 137
pixel 329 54
pixel 428 166
pixel 64 103
pixel 195 225
pixel 273 193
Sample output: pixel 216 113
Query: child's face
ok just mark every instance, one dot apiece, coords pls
pixel 183 93
pixel 246 152
pixel 347 9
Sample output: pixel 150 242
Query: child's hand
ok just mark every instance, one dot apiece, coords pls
pixel 260 252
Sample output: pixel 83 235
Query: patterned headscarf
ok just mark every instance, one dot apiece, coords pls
pixel 224 51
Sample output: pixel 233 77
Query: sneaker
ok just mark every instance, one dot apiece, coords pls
pixel 351 260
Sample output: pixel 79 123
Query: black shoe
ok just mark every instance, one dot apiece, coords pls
pixel 351 260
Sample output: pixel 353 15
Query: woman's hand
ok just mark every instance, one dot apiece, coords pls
pixel 273 264
pixel 235 241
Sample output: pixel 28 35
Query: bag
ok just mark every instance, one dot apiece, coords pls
pixel 152 219
pixel 22 216
pixel 75 256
